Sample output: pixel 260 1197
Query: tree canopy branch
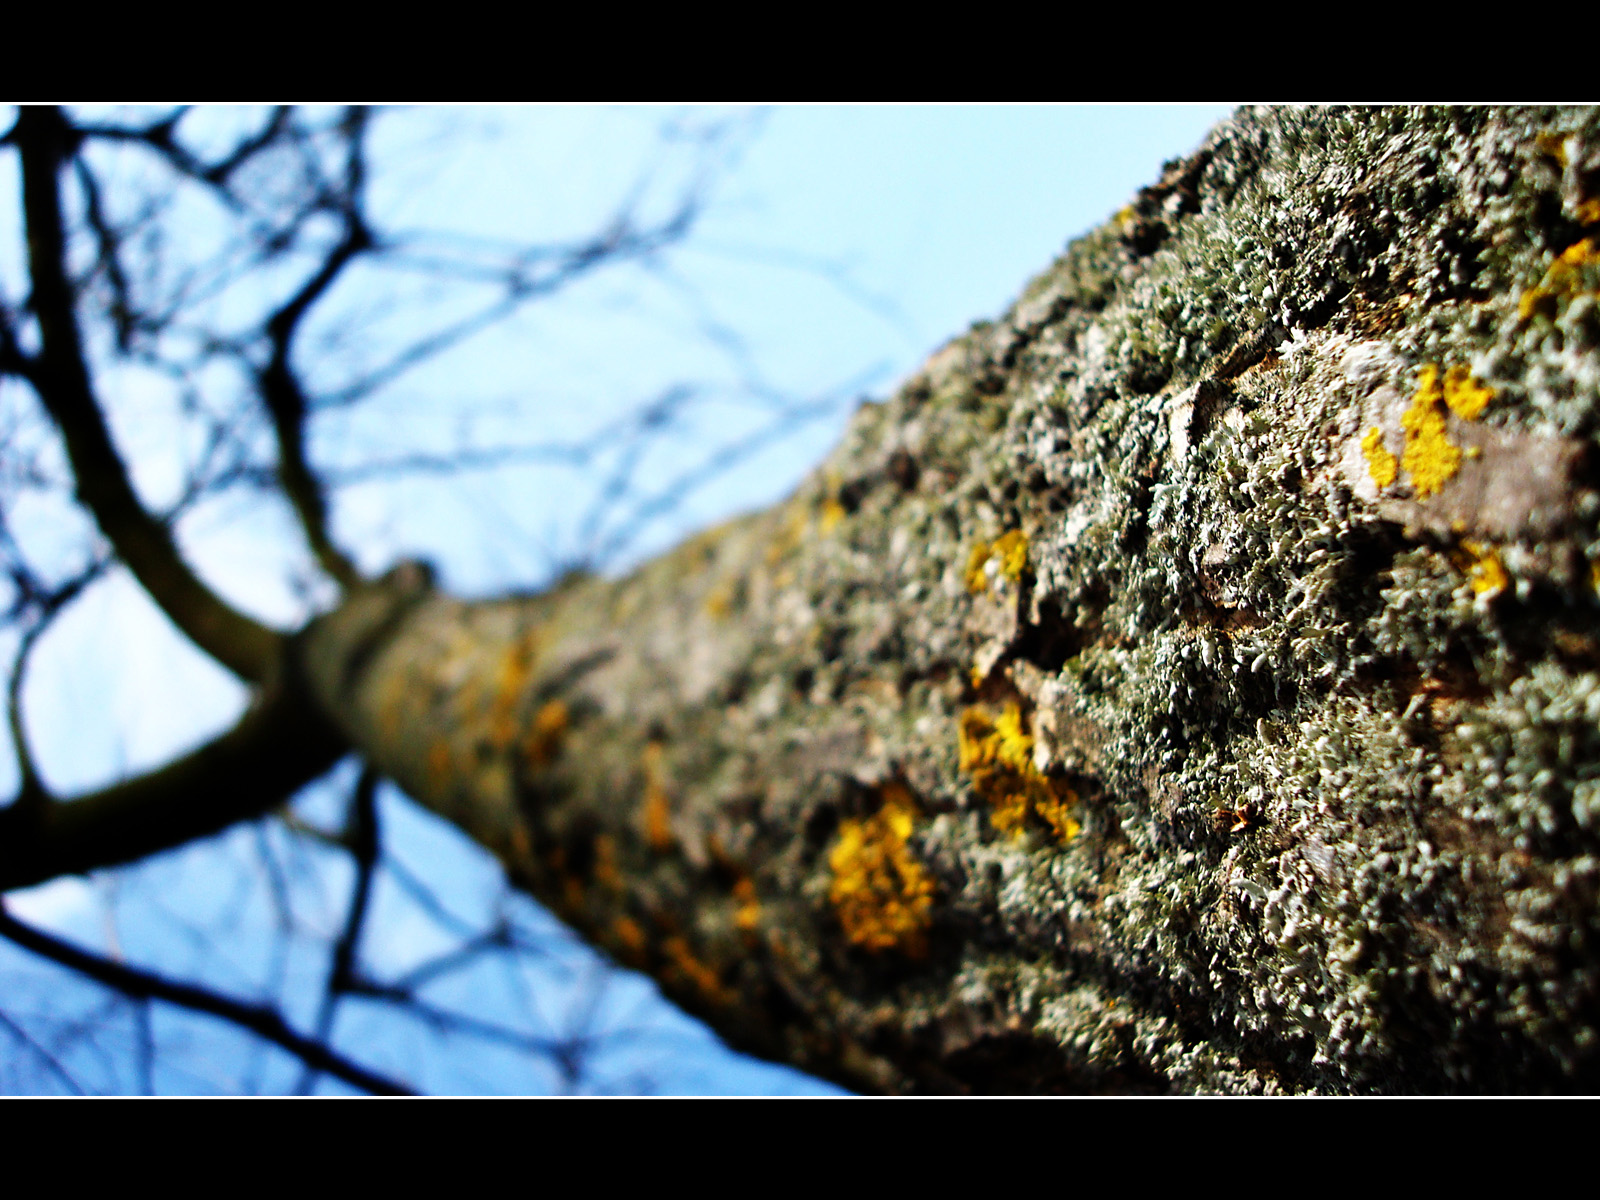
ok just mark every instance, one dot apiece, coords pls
pixel 280 387
pixel 60 375
pixel 263 1021
pixel 278 746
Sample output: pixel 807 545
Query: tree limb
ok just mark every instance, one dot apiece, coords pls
pixel 280 744
pixel 60 376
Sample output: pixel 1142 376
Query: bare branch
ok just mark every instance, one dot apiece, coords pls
pixel 51 1063
pixel 280 387
pixel 278 746
pixel 263 1021
pixel 362 839
pixel 60 375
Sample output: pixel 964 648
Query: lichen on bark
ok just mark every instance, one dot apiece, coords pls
pixel 1330 732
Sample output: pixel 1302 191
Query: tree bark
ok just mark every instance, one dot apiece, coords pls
pixel 1188 682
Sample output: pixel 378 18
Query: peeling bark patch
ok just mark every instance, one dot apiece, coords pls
pixel 881 894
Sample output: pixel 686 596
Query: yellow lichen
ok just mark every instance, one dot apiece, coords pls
pixel 748 915
pixel 606 873
pixel 977 577
pixel 625 931
pixel 1056 812
pixel 881 894
pixel 1430 458
pixel 829 515
pixel 998 753
pixel 719 600
pixel 1483 568
pixel 1009 553
pixel 544 738
pixel 1562 277
pixel 1466 396
pixel 1381 465
pixel 657 807
pixel 438 765
pixel 703 977
pixel 1552 145
pixel 516 667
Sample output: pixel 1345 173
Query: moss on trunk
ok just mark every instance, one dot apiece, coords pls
pixel 1188 682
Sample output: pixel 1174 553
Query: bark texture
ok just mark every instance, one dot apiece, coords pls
pixel 1189 682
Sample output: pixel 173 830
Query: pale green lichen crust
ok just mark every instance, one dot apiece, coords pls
pixel 1328 718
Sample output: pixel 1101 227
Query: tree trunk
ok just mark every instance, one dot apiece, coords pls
pixel 1187 683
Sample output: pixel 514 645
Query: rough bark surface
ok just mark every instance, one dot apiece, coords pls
pixel 1189 682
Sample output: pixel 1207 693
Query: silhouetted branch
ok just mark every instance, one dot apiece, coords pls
pixel 50 1062
pixel 60 375
pixel 265 1022
pixel 279 384
pixel 362 840
pixel 277 747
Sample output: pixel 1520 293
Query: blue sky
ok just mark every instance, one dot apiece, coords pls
pixel 837 247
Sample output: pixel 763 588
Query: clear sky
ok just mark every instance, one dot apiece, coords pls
pixel 837 246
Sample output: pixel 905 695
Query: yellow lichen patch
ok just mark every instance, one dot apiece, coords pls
pixel 719 601
pixel 545 736
pixel 1589 211
pixel 977 577
pixel 1553 145
pixel 1482 567
pixel 516 667
pixel 606 873
pixel 789 536
pixel 704 978
pixel 1056 811
pixel 998 753
pixel 1430 458
pixel 657 807
pixel 829 515
pixel 438 765
pixel 1563 277
pixel 627 934
pixel 748 915
pixel 881 894
pixel 1381 465
pixel 1466 395
pixel 1009 554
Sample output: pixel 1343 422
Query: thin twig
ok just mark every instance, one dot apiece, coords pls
pixel 263 1021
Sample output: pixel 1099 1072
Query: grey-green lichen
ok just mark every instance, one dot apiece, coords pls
pixel 1331 732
